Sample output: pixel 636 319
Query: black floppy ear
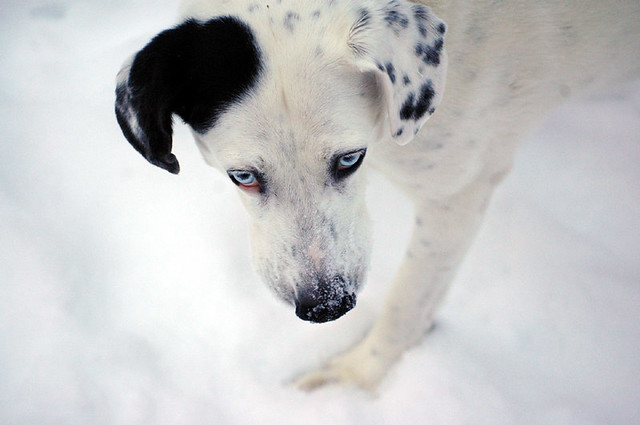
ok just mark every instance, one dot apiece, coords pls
pixel 193 70
pixel 403 44
pixel 146 125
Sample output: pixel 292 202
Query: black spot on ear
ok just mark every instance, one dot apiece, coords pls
pixel 424 101
pixel 195 70
pixel 408 107
pixel 391 71
pixel 422 20
pixel 420 13
pixel 422 29
pixel 430 55
pixel 396 20
pixel 415 109
pixel 406 113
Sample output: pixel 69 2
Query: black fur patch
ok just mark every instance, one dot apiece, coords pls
pixel 420 13
pixel 430 55
pixel 195 70
pixel 422 19
pixel 395 19
pixel 391 72
pixel 415 109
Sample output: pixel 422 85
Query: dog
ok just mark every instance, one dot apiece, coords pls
pixel 294 100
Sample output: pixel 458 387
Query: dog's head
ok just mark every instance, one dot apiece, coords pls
pixel 285 98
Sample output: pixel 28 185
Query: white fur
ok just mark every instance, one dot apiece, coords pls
pixel 509 62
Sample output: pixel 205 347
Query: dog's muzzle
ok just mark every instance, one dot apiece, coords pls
pixel 326 303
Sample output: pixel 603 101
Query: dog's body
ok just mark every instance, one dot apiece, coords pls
pixel 316 84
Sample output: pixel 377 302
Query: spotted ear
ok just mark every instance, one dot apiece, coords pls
pixel 195 71
pixel 403 44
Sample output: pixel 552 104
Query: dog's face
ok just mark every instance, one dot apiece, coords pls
pixel 285 99
pixel 294 148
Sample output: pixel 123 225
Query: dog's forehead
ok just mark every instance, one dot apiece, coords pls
pixel 282 122
pixel 309 99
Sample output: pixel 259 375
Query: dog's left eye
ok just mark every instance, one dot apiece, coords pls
pixel 349 160
pixel 348 163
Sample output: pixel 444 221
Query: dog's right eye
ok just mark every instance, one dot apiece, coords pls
pixel 244 179
pixel 347 163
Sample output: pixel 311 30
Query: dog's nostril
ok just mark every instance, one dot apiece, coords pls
pixel 324 309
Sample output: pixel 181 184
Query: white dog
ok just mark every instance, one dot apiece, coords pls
pixel 287 97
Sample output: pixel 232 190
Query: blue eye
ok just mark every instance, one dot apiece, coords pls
pixel 349 160
pixel 243 178
pixel 347 164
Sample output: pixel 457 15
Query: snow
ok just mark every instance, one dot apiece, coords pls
pixel 127 295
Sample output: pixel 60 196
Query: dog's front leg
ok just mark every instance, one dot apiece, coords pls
pixel 443 231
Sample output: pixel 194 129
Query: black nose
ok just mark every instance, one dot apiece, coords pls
pixel 320 309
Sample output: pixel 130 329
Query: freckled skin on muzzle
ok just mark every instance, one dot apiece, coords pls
pixel 320 279
pixel 316 260
pixel 330 301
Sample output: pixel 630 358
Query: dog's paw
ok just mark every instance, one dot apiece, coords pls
pixel 362 366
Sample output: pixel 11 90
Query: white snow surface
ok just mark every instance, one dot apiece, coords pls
pixel 127 295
